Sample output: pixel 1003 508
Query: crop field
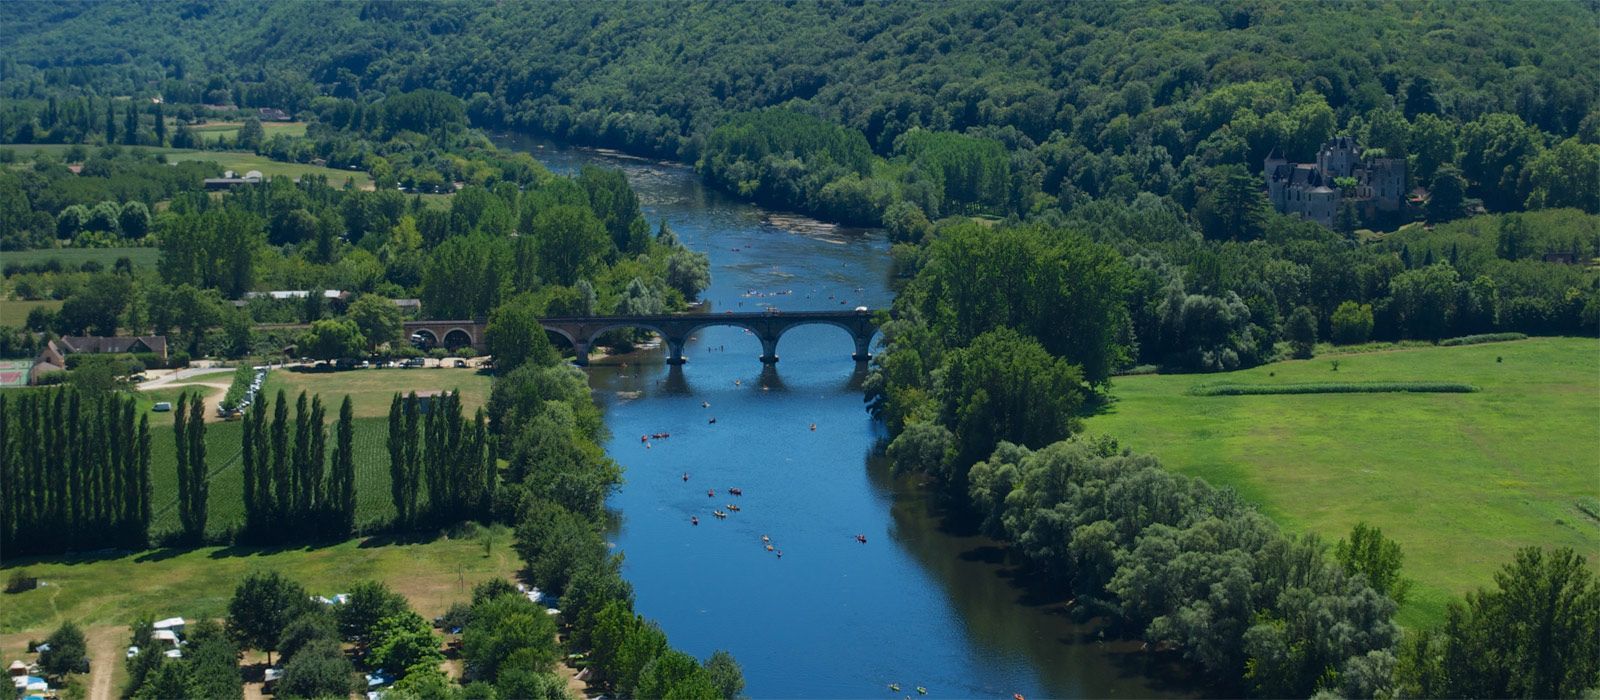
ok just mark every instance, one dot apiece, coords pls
pixel 13 312
pixel 1460 480
pixel 372 389
pixel 215 131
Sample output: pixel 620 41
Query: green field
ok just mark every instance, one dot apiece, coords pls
pixel 1459 480
pixel 13 312
pixel 238 161
pixel 215 131
pixel 73 258
pixel 94 590
pixel 369 389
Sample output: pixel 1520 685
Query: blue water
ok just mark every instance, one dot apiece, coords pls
pixel 915 605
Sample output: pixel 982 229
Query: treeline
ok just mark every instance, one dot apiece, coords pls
pixel 291 490
pixel 74 472
pixel 436 452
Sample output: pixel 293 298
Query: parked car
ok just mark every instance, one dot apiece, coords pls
pixel 162 406
pixel 459 363
pixel 415 362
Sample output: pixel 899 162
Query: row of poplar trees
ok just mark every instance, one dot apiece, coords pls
pixel 194 479
pixel 436 453
pixel 74 472
pixel 291 491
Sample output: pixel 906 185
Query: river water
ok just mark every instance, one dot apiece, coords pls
pixel 917 604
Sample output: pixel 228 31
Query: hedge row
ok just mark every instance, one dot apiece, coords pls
pixel 1332 388
pixel 1482 338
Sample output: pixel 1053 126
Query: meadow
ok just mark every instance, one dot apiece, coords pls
pixel 197 583
pixel 212 132
pixel 238 161
pixel 370 392
pixel 74 258
pixel 1460 480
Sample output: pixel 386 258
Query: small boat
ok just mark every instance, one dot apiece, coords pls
pixel 694 520
pixel 765 538
pixel 712 421
pixel 705 404
pixel 894 687
pixel 686 476
pixel 736 491
pixel 733 507
pixel 780 554
pixel 1017 696
pixel 719 514
pixel 769 547
pixel 644 438
pixel 861 538
pixel 813 427
pixel 921 690
pixel 711 493
pixel 738 382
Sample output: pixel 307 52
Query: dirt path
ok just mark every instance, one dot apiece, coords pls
pixel 105 654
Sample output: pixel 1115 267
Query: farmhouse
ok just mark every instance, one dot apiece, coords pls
pixel 230 180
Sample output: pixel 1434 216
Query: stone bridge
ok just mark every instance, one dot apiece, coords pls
pixel 675 329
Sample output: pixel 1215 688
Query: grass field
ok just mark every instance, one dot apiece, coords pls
pixel 1459 480
pixel 239 161
pixel 215 131
pixel 73 258
pixel 370 391
pixel 197 583
pixel 13 312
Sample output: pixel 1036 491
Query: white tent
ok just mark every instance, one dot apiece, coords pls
pixel 165 636
pixel 171 623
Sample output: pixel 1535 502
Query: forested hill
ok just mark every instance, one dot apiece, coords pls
pixel 654 76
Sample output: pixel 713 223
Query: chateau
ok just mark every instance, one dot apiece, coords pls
pixel 1311 190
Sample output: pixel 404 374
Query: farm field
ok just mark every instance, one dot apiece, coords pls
pixel 1459 480
pixel 197 583
pixel 370 390
pixel 239 161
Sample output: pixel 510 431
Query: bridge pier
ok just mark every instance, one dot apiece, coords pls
pixel 582 351
pixel 674 351
pixel 863 348
pixel 769 350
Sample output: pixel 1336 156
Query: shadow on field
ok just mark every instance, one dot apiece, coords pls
pixel 393 538
pixel 247 550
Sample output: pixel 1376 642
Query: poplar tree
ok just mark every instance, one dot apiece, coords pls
pixel 342 486
pixel 397 457
pixel 318 465
pixel 111 123
pixel 282 495
pixel 130 126
pixel 199 479
pixel 180 437
pixel 413 457
pixel 247 457
pixel 303 485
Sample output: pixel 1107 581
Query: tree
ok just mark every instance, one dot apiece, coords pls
pixel 1495 148
pixel 342 477
pixel 134 219
pixel 1302 332
pixel 1351 323
pixel 572 243
pixel 262 606
pixel 329 339
pixel 675 675
pixel 1447 195
pixel 402 640
pixel 369 602
pixel 516 338
pixel 1376 557
pixel 1424 301
pixel 68 653
pixel 1005 386
pixel 725 675
pixel 319 670
pixel 1232 207
pixel 250 135
pixel 194 488
pixel 1567 175
pixel 311 626
pixel 378 319
pixel 688 272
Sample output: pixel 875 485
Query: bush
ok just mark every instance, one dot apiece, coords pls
pixel 1351 323
pixel 21 581
pixel 1482 338
pixel 1332 388
pixel 319 669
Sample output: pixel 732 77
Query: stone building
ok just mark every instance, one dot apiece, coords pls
pixel 1313 191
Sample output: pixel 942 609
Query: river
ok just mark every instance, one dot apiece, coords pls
pixel 915 604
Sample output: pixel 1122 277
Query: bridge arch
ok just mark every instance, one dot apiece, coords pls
pixel 861 337
pixel 457 338
pixel 428 337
